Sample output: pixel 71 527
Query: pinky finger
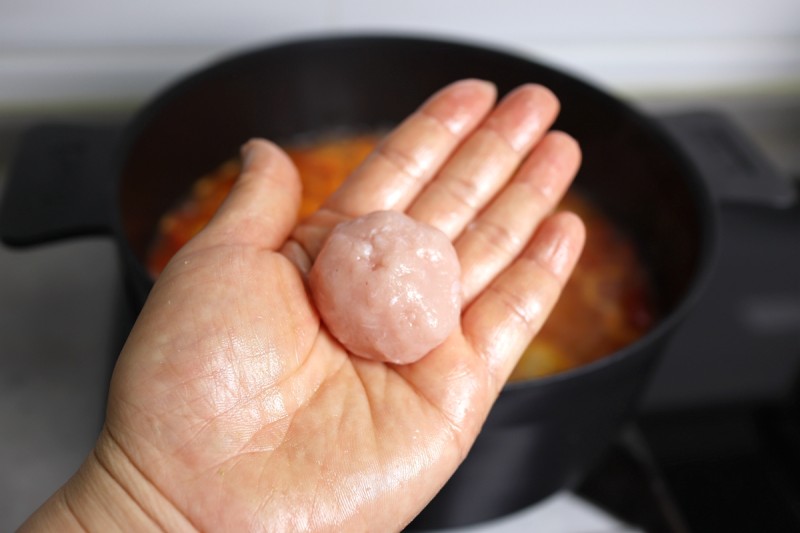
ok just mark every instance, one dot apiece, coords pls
pixel 503 319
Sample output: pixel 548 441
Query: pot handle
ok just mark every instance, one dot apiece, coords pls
pixel 735 169
pixel 59 185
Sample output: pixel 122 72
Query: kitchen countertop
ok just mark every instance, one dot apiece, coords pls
pixel 58 303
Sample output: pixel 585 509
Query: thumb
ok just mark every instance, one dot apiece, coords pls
pixel 262 207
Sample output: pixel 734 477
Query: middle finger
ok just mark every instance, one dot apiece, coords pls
pixel 486 160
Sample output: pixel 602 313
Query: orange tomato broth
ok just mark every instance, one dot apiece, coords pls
pixel 606 304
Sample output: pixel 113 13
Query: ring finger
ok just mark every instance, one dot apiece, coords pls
pixel 497 236
pixel 486 160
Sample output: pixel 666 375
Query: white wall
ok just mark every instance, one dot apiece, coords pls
pixel 109 51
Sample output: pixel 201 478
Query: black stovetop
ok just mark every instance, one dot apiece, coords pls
pixel 728 469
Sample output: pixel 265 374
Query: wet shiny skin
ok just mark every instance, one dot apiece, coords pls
pixel 606 305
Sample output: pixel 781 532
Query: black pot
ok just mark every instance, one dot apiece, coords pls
pixel 543 434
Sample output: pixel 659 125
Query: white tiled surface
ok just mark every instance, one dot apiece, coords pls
pixel 188 22
pixel 125 50
pixel 56 308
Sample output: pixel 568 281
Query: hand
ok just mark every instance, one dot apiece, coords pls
pixel 232 407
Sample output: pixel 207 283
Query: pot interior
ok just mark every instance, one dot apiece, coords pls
pixel 365 84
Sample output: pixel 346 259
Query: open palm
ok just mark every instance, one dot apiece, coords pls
pixel 239 408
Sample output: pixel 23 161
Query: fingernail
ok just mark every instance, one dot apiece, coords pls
pixel 485 85
pixel 562 244
pixel 558 254
pixel 463 100
pixel 524 114
pixel 247 152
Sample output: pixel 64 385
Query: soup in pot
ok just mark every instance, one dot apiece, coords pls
pixel 606 305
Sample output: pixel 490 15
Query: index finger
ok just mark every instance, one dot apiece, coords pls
pixel 412 153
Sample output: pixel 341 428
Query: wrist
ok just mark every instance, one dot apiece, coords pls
pixel 108 493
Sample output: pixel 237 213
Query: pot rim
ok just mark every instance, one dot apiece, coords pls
pixel 701 194
pixel 708 209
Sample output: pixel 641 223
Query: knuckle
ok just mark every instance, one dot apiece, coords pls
pixel 462 190
pixel 498 237
pixel 526 310
pixel 405 163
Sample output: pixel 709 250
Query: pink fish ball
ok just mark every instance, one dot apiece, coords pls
pixel 387 287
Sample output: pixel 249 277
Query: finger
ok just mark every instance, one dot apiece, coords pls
pixel 262 207
pixel 502 320
pixel 307 239
pixel 490 243
pixel 413 153
pixel 487 160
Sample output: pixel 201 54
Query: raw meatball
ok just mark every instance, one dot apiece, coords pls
pixel 387 286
